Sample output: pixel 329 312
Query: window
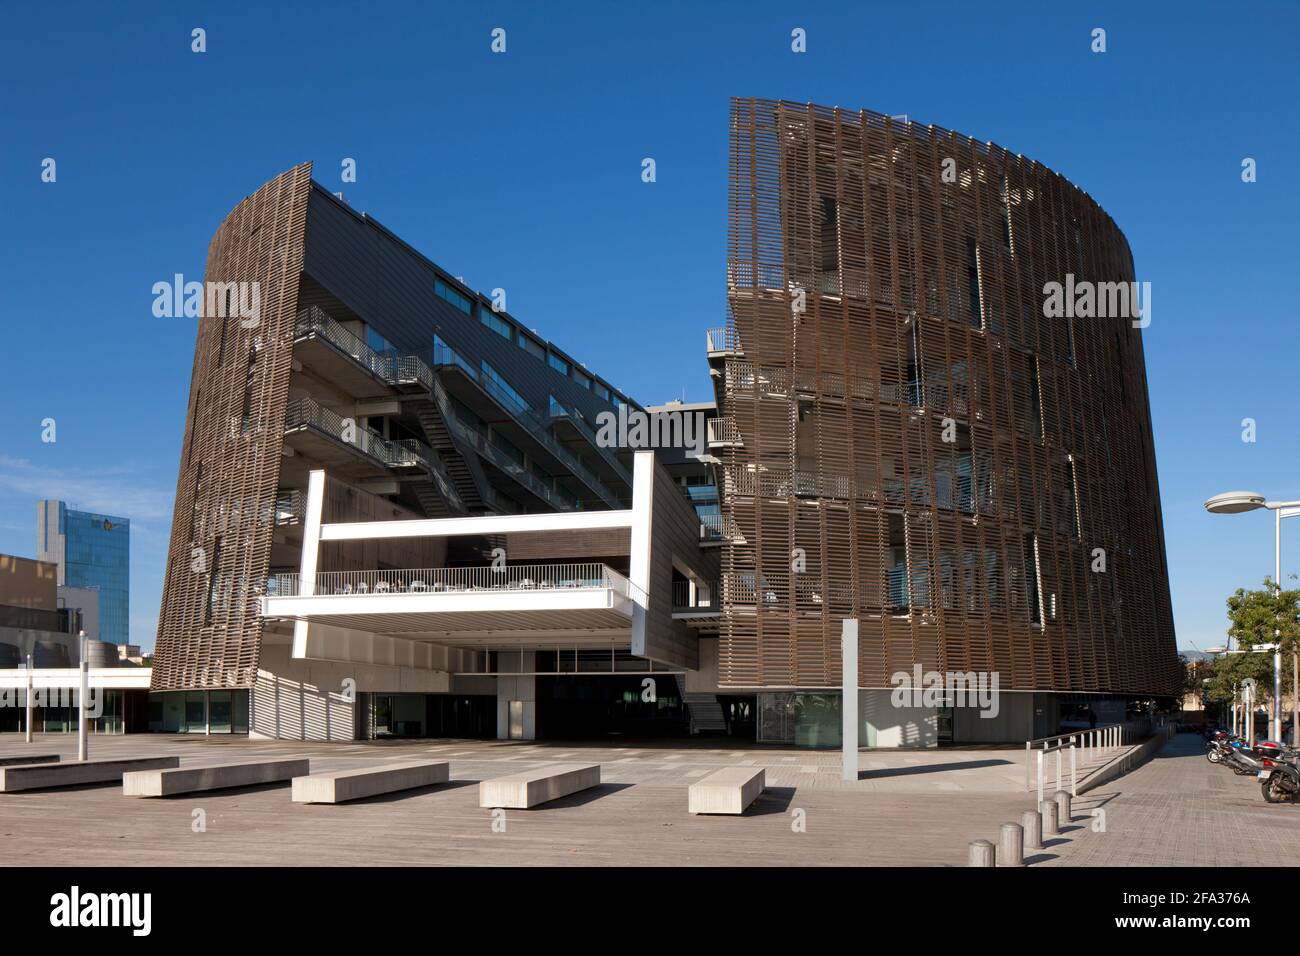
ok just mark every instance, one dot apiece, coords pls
pixel 246 419
pixel 973 280
pixel 532 346
pixel 378 342
pixel 210 605
pixel 1072 487
pixel 511 396
pixel 582 378
pixel 1035 400
pixel 1006 217
pixel 1031 579
pixel 221 344
pixel 194 424
pixel 497 324
pixel 602 391
pixel 448 294
pixel 557 363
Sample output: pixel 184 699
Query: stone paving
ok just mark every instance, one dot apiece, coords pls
pixel 907 808
pixel 1178 809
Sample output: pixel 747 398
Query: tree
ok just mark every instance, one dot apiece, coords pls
pixel 1262 617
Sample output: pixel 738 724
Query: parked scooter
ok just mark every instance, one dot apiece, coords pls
pixel 1279 778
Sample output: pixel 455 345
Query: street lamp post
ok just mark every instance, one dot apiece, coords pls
pixel 1236 502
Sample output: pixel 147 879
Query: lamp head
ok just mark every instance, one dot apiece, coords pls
pixel 1234 502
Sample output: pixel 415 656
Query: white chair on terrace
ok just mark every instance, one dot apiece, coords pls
pixel 418 587
pixel 382 587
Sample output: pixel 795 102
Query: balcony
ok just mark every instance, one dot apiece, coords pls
pixel 342 358
pixel 531 429
pixel 468 605
pixel 785 484
pixel 478 440
pixel 723 433
pixel 693 600
pixel 723 340
pixel 744 589
pixel 326 436
pixel 564 418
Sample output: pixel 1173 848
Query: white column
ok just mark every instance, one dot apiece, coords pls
pixel 310 554
pixel 81 700
pixel 29 698
pixel 849 702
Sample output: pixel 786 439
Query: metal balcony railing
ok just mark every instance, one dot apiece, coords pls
pixel 723 339
pixel 723 431
pixel 476 438
pixel 407 453
pixel 514 578
pixel 785 484
pixel 391 367
pixel 448 358
pixel 700 599
pixel 556 410
pixel 711 527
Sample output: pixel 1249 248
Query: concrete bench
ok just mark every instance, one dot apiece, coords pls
pixel 164 783
pixel 45 776
pixel 523 790
pixel 729 790
pixel 348 785
pixel 15 761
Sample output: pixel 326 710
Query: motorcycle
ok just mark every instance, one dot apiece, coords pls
pixel 1279 777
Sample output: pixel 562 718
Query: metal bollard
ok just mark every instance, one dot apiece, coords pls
pixel 981 853
pixel 1048 810
pixel 1063 814
pixel 1011 845
pixel 1032 825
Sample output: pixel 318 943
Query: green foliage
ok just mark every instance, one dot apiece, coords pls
pixel 1254 618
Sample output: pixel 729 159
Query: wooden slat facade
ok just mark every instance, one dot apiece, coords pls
pixel 924 306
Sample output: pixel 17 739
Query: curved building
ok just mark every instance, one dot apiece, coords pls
pixel 909 433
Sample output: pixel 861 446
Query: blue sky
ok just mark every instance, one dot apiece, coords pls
pixel 522 171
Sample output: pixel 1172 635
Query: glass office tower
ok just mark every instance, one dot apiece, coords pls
pixel 91 551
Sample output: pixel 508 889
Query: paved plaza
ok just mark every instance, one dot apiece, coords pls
pixel 907 808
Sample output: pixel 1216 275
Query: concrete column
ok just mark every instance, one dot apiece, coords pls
pixel 1011 844
pixel 1063 814
pixel 81 699
pixel 981 853
pixel 1032 825
pixel 1048 811
pixel 849 702
pixel 517 699
pixel 29 698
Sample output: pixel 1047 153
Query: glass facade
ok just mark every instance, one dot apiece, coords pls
pixel 93 551
pixel 199 712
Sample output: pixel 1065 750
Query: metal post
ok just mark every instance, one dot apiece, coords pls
pixel 81 700
pixel 1026 766
pixel 1277 634
pixel 1058 768
pixel 1074 772
pixel 29 698
pixel 849 700
pixel 1040 776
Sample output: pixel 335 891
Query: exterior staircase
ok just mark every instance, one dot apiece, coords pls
pixel 704 710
